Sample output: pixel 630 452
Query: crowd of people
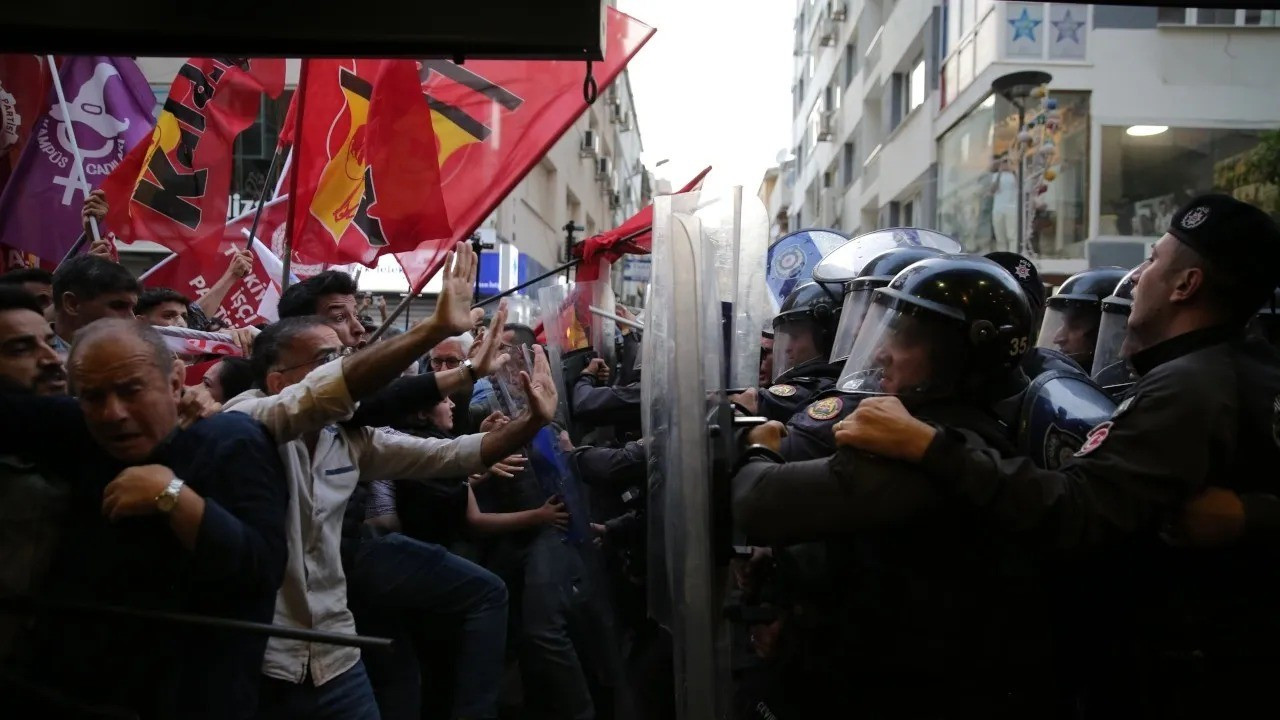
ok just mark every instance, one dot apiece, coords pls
pixel 238 548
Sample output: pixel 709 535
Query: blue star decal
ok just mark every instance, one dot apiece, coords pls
pixel 1024 26
pixel 1068 28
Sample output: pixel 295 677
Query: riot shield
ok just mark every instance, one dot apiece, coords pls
pixel 683 390
pixel 736 229
pixel 1058 411
pixel 523 310
pixel 792 259
pixel 575 335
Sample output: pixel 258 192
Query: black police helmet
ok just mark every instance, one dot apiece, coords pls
pixel 814 303
pixel 1087 288
pixel 882 268
pixel 1121 298
pixel 978 295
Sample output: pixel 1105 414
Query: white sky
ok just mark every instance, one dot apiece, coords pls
pixel 713 87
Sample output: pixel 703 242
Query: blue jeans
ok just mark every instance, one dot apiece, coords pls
pixel 392 580
pixel 346 697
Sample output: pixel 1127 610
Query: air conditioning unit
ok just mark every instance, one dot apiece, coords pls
pixel 590 144
pixel 830 28
pixel 827 125
pixel 838 10
pixel 604 168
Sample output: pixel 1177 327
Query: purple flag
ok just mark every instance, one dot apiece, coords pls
pixel 110 108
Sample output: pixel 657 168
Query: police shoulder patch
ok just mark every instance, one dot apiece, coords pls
pixel 783 390
pixel 826 408
pixel 1095 439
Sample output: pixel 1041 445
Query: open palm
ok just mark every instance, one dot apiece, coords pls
pixel 453 306
pixel 540 387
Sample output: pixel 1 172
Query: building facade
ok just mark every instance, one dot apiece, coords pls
pixel 895 122
pixel 592 178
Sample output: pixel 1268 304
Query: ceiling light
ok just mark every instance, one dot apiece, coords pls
pixel 1145 130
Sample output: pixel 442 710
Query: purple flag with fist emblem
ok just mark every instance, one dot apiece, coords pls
pixel 110 108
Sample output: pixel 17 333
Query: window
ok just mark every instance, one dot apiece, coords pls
pixel 908 214
pixel 850 63
pixel 916 87
pixel 847 165
pixel 977 192
pixel 829 179
pixel 967 44
pixel 1146 177
pixel 1211 17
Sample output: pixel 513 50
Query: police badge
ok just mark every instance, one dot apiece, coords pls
pixel 826 408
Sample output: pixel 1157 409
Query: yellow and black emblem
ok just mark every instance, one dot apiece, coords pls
pixel 826 409
pixel 783 390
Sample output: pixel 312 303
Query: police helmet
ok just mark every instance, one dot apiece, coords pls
pixel 1072 313
pixel 877 273
pixel 1109 367
pixel 804 327
pixel 943 326
pixel 1024 271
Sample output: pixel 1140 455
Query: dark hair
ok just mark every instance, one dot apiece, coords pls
pixel 268 343
pixel 18 276
pixel 13 297
pixel 301 298
pixel 236 375
pixel 161 355
pixel 151 298
pixel 89 276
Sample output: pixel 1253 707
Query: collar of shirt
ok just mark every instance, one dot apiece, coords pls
pixel 1149 359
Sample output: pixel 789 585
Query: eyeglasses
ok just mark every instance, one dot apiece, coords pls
pixel 442 362
pixel 328 357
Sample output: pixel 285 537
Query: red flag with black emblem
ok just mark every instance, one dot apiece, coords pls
pixel 365 178
pixel 24 92
pixel 496 119
pixel 173 188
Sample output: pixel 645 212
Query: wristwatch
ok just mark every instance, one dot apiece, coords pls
pixel 167 500
pixel 471 370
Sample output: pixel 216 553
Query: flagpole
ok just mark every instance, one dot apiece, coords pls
pixel 75 145
pixel 301 95
pixel 262 198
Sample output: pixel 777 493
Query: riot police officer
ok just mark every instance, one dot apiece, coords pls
pixel 1110 368
pixel 937 617
pixel 1174 632
pixel 1073 313
pixel 1038 360
pixel 803 331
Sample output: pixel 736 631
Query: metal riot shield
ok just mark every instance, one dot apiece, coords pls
pixel 792 259
pixel 683 391
pixel 1059 409
pixel 523 310
pixel 845 262
pixel 735 228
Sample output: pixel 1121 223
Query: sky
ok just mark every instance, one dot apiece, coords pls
pixel 713 87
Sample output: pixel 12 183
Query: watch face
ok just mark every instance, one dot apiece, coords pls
pixel 166 502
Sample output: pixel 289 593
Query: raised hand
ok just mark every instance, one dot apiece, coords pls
pixel 485 358
pixel 95 206
pixel 540 387
pixel 453 306
pixel 241 263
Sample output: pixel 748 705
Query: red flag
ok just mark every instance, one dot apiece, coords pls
pixel 633 236
pixel 495 119
pixel 250 300
pixel 365 179
pixel 24 89
pixel 173 189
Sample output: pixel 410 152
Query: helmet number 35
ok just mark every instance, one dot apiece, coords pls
pixel 1017 345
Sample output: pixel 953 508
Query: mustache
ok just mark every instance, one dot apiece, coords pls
pixel 53 373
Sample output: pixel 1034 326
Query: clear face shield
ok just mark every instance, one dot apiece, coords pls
pixel 795 343
pixel 1071 328
pixel 1111 333
pixel 856 304
pixel 902 350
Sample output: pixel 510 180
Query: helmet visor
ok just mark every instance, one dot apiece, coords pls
pixel 795 342
pixel 856 304
pixel 1111 332
pixel 1072 329
pixel 902 350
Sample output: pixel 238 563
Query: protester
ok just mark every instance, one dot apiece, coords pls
pixel 163 307
pixel 162 517
pixel 229 377
pixel 87 288
pixel 36 281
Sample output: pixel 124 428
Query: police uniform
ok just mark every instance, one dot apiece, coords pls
pixel 597 405
pixel 795 389
pixel 1199 628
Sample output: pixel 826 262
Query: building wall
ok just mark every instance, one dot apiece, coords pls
pixel 879 159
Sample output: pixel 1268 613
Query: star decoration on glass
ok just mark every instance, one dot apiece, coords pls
pixel 1068 29
pixel 1024 26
